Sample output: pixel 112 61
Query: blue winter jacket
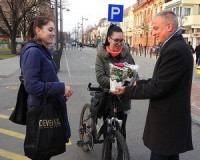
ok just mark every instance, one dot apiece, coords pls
pixel 40 78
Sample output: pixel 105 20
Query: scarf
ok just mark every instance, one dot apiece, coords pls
pixel 113 53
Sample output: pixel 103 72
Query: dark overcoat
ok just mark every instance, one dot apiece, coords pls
pixel 168 124
pixel 197 50
pixel 102 69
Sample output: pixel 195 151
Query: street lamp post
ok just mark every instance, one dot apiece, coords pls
pixel 61 27
pixel 58 49
pixel 79 25
pixel 56 25
pixel 82 27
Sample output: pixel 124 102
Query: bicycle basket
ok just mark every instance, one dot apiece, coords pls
pixel 98 104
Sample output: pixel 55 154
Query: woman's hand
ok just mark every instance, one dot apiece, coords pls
pixel 68 91
pixel 119 90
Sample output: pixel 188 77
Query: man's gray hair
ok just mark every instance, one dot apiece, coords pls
pixel 170 16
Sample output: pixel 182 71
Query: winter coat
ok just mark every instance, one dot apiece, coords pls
pixel 40 78
pixel 168 124
pixel 197 50
pixel 102 70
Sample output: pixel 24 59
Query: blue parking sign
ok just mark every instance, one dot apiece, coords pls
pixel 115 13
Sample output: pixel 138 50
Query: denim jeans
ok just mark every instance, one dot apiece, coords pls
pixel 155 156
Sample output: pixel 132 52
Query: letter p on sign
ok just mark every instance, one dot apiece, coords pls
pixel 115 13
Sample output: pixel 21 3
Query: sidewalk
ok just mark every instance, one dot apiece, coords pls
pixel 195 102
pixel 11 65
pixel 8 66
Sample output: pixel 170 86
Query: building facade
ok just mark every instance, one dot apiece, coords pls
pixel 143 12
pixel 127 25
pixel 188 12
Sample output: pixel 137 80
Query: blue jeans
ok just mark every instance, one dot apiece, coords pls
pixel 155 156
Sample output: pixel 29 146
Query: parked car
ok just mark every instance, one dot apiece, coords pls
pixel 155 49
pixel 73 44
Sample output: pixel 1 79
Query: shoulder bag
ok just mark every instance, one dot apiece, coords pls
pixel 18 115
pixel 44 131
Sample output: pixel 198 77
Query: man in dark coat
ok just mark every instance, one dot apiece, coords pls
pixel 191 48
pixel 197 50
pixel 167 130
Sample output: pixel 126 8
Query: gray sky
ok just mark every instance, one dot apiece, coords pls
pixel 93 10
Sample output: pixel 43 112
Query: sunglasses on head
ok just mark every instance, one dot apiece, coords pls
pixel 117 40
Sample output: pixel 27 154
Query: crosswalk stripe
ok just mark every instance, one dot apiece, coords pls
pixel 12 133
pixel 4 116
pixel 17 134
pixel 12 156
pixel 20 135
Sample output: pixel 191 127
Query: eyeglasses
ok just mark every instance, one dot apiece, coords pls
pixel 118 40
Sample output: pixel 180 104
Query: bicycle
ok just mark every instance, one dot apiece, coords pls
pixel 114 143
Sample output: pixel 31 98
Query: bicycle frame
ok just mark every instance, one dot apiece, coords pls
pixel 114 143
pixel 111 123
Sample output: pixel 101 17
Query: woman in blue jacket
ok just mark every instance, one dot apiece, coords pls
pixel 39 70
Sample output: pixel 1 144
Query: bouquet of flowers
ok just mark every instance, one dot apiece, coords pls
pixel 121 73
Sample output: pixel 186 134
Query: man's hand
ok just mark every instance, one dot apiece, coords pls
pixel 119 90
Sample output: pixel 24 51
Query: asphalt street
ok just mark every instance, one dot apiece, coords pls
pixel 77 70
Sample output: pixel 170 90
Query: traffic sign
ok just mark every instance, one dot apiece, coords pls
pixel 115 13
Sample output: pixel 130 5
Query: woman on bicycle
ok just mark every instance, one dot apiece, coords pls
pixel 113 51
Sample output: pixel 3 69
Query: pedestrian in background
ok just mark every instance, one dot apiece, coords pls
pixel 113 51
pixel 167 130
pixel 197 50
pixel 81 46
pixel 191 48
pixel 39 70
pixel 129 48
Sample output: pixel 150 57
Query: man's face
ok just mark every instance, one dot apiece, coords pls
pixel 161 29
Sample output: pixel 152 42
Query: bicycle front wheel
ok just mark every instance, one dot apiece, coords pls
pixel 115 147
pixel 86 126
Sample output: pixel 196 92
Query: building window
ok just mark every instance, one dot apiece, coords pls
pixel 186 11
pixel 199 9
pixel 176 11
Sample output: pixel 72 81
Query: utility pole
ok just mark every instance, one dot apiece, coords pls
pixel 56 25
pixel 82 27
pixel 61 27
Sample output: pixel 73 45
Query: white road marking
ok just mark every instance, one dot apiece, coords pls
pixel 67 66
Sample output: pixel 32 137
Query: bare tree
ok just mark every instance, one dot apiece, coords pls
pixel 14 13
pixel 35 11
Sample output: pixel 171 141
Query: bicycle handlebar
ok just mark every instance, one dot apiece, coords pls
pixel 105 90
pixel 98 89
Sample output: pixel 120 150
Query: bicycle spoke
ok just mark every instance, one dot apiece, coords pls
pixel 85 131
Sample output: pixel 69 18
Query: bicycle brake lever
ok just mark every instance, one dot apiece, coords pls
pixel 89 85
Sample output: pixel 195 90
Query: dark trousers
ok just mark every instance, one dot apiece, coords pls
pixel 42 159
pixel 197 56
pixel 155 156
